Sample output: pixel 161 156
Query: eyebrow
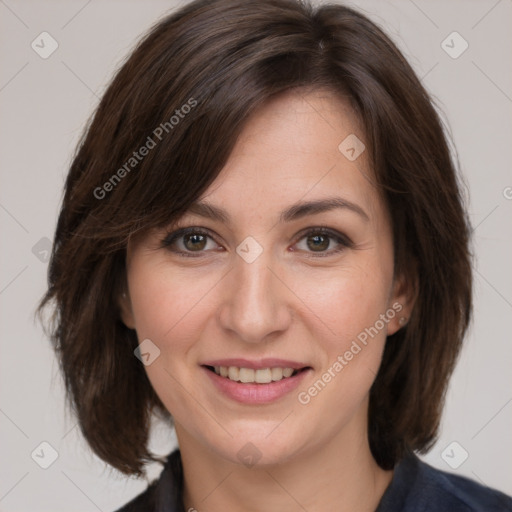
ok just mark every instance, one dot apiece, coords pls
pixel 294 212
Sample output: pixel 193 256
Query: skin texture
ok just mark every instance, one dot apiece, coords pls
pixel 290 303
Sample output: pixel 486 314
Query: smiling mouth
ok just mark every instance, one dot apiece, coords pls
pixel 251 376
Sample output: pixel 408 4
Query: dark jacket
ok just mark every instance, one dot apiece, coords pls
pixel 416 487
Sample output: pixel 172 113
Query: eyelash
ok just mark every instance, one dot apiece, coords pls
pixel 171 238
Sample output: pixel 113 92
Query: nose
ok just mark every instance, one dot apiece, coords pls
pixel 256 305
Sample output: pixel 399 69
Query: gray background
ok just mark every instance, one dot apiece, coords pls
pixel 44 106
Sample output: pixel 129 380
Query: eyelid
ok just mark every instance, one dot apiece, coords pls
pixel 325 230
pixel 178 232
pixel 343 240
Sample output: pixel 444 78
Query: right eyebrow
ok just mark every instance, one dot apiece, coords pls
pixel 294 212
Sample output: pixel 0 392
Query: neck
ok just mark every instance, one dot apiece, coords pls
pixel 340 475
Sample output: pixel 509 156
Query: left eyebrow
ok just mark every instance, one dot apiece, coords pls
pixel 302 209
pixel 294 212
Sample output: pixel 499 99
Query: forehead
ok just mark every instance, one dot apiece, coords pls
pixel 295 147
pixel 296 118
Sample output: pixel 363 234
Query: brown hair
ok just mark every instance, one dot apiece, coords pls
pixel 222 59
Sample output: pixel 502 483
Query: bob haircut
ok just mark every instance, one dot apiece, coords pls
pixel 161 134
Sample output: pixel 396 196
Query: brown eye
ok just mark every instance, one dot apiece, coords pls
pixel 323 242
pixel 194 242
pixel 189 242
pixel 318 242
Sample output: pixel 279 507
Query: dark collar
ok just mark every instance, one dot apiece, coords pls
pixel 169 488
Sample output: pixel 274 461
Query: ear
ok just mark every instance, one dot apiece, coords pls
pixel 125 309
pixel 402 300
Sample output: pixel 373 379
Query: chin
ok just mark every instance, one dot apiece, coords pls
pixel 258 445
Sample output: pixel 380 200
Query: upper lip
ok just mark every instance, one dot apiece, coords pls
pixel 256 364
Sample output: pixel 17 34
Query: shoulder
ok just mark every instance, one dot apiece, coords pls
pixel 143 501
pixel 164 494
pixel 452 492
pixel 418 487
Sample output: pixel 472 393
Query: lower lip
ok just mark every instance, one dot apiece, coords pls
pixel 256 393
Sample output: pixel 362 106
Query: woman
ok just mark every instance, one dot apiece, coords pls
pixel 263 237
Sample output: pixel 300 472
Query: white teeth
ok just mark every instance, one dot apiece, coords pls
pixel 277 373
pixel 233 373
pixel 287 372
pixel 246 375
pixel 249 375
pixel 263 376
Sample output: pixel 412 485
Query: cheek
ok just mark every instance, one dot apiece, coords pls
pixel 352 305
pixel 165 299
pixel 340 302
pixel 347 301
pixel 169 308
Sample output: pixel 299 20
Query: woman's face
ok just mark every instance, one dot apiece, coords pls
pixel 281 282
